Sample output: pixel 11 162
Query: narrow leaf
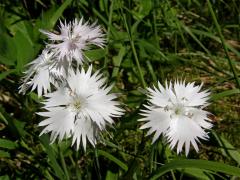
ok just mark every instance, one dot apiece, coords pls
pixel 53 161
pixel 227 148
pixel 200 164
pixel 218 96
pixel 112 158
pixel 59 12
pixel 4 154
pixel 4 143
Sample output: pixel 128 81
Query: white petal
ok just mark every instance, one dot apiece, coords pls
pixel 60 123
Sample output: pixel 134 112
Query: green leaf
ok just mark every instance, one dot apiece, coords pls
pixel 188 30
pixel 7 50
pixel 2 118
pixel 117 60
pixel 216 38
pixel 4 74
pixel 49 18
pixel 25 50
pixel 20 127
pixel 94 54
pixel 4 143
pixel 6 177
pixel 151 49
pixel 111 176
pixel 218 96
pixel 197 173
pixel 112 158
pixel 145 8
pixel 51 155
pixel 227 148
pixel 16 128
pixel 200 164
pixel 4 154
pixel 58 13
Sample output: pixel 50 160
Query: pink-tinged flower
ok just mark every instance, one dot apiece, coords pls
pixel 73 39
pixel 41 74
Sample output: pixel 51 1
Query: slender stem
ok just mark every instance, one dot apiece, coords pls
pixel 172 173
pixel 72 161
pixel 134 53
pixel 150 69
pixel 63 164
pixel 97 164
pixel 231 63
pixel 138 64
pixel 49 175
pixel 108 34
pixel 78 172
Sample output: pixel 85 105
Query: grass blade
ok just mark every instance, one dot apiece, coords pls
pixel 59 12
pixel 53 161
pixel 113 159
pixel 199 164
pixel 231 63
pixel 218 96
pixel 4 143
pixel 227 148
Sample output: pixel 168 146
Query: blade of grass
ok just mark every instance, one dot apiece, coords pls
pixel 218 96
pixel 63 164
pixel 231 63
pixel 53 161
pixel 4 154
pixel 4 74
pixel 227 148
pixel 178 24
pixel 150 69
pixel 113 159
pixel 58 13
pixel 134 52
pixel 108 34
pixel 199 164
pixel 5 143
pixel 188 30
pixel 215 38
pixel 117 61
pixel 96 153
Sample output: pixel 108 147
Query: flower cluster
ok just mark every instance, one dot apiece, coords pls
pixel 79 104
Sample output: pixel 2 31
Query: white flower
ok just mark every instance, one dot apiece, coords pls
pixel 41 74
pixel 80 110
pixel 74 38
pixel 176 112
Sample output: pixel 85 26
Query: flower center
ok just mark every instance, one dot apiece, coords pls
pixel 77 105
pixel 178 110
pixel 72 45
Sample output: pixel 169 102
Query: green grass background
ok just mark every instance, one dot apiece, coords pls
pixel 147 40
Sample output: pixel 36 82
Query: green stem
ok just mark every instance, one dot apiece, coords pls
pixel 78 172
pixel 63 164
pixel 72 161
pixel 108 34
pixel 134 53
pixel 150 69
pixel 138 64
pixel 97 164
pixel 48 175
pixel 172 173
pixel 231 63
